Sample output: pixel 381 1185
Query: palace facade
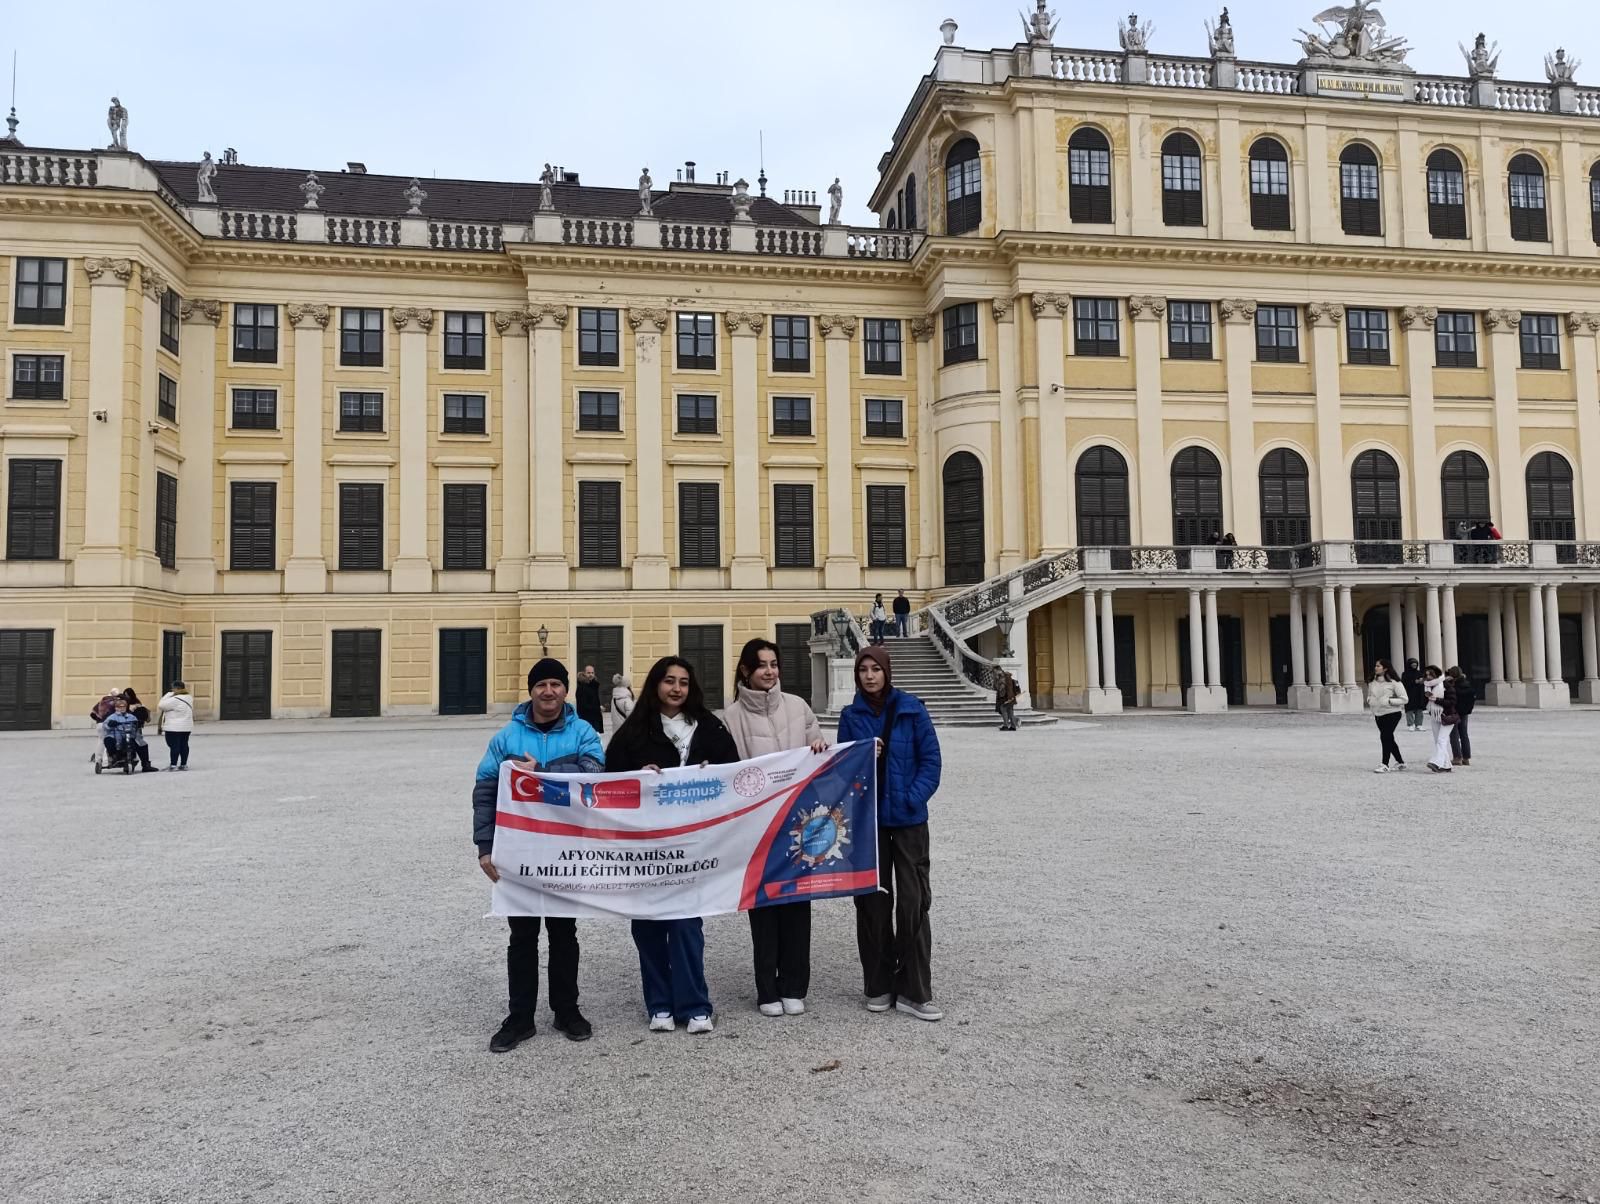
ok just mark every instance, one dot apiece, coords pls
pixel 349 443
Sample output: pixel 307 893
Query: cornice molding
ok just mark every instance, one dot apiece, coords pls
pixel 402 318
pixel 844 324
pixel 305 315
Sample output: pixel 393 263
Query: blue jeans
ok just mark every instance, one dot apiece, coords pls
pixel 876 634
pixel 904 623
pixel 672 965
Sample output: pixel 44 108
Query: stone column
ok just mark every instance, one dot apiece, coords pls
pixel 1447 615
pixel 1589 688
pixel 1584 329
pixel 1238 351
pixel 1397 630
pixel 1297 636
pixel 1347 640
pixel 511 568
pixel 1413 650
pixel 1011 497
pixel 1055 491
pixel 99 558
pixel 412 572
pixel 1513 642
pixel 146 568
pixel 842 569
pixel 197 419
pixel 306 570
pixel 1497 645
pixel 1538 649
pixel 749 565
pixel 1213 644
pixel 1197 651
pixel 927 499
pixel 1434 640
pixel 1417 321
pixel 1552 639
pixel 1333 490
pixel 651 568
pixel 1331 637
pixel 1091 649
pixel 1108 645
pixel 1155 510
pixel 1313 635
pixel 1511 509
pixel 546 430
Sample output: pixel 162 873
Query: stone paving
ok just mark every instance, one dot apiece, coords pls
pixel 1183 958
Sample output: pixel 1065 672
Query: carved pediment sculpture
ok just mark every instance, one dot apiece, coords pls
pixel 1354 36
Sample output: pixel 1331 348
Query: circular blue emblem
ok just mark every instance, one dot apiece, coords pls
pixel 818 835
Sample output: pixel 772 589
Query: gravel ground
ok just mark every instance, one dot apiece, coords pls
pixel 1183 958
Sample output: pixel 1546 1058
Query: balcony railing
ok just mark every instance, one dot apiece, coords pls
pixel 64 171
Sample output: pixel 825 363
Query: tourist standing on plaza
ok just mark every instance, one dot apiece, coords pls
pixel 1006 694
pixel 544 733
pixel 1416 698
pixel 763 719
pixel 670 726
pixel 902 614
pixel 1466 699
pixel 1442 715
pixel 892 926
pixel 1387 699
pixel 588 700
pixel 879 618
pixel 175 721
pixel 621 695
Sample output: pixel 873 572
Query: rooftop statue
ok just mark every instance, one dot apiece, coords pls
pixel 1133 37
pixel 547 177
pixel 203 177
pixel 645 184
pixel 1353 36
pixel 1559 69
pixel 1221 37
pixel 1039 29
pixel 1482 59
pixel 311 189
pixel 117 123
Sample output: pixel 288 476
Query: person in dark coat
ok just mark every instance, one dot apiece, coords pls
pixel 1416 699
pixel 1466 699
pixel 892 928
pixel 670 726
pixel 587 700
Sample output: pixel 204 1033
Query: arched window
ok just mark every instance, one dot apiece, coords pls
pixel 1089 176
pixel 1102 500
pixel 1594 201
pixel 894 220
pixel 963 519
pixel 963 188
pixel 1375 506
pixel 909 209
pixel 1360 207
pixel 1196 500
pixel 1529 222
pixel 1447 196
pixel 1551 513
pixel 1464 493
pixel 1180 182
pixel 1269 185
pixel 1285 503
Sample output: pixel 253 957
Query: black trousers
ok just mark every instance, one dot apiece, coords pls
pixel 177 748
pixel 522 965
pixel 1386 725
pixel 892 926
pixel 1460 741
pixel 781 938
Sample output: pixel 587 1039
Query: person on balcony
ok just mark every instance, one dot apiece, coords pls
pixel 902 613
pixel 1442 715
pixel 1466 699
pixel 1387 699
pixel 1416 698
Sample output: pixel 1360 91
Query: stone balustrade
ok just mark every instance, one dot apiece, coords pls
pixel 66 171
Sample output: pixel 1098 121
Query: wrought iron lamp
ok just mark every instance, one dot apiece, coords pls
pixel 1003 622
pixel 544 640
pixel 841 629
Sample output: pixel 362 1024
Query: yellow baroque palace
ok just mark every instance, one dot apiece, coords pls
pixel 1210 376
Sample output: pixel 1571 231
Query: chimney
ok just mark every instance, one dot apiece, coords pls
pixel 688 171
pixel 356 169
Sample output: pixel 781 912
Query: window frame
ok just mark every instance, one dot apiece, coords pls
pixel 365 423
pixel 248 552
pixel 963 188
pixel 1182 181
pixel 957 322
pixel 1366 341
pixel 594 329
pixel 1446 185
pixel 1360 214
pixel 799 528
pixel 1529 222
pixel 597 530
pixel 1546 333
pixel 1189 316
pixel 166 533
pixel 361 542
pixel 1089 178
pixel 1448 351
pixel 698 420
pixel 887 534
pixel 367 330
pixel 453 521
pixel 40 313
pixel 257 330
pixel 259 420
pixel 464 423
pixel 1092 313
pixel 701 333
pixel 1277 348
pixel 171 320
pixel 38 389
pixel 464 359
pixel 795 340
pixel 700 541
pixel 166 398
pixel 884 428
pixel 595 420
pixel 876 337
pixel 44 518
pixel 789 427
pixel 1271 203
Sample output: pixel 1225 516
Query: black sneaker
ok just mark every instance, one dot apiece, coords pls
pixel 574 1026
pixel 512 1034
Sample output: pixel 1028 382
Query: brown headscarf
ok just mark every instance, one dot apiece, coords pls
pixel 878 654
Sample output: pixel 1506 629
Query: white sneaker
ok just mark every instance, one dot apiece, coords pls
pixel 771 1009
pixel 793 1007
pixel 1381 769
pixel 922 1011
pixel 662 1022
pixel 879 1003
pixel 700 1024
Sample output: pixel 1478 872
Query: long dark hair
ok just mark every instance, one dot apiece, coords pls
pixel 1388 669
pixel 647 705
pixel 750 661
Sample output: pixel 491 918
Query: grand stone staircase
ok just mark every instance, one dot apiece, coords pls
pixel 919 669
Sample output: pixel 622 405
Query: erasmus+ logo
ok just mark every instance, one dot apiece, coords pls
pixel 696 790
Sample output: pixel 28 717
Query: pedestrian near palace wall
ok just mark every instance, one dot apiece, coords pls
pixel 1442 715
pixel 175 721
pixel 1416 699
pixel 1386 698
pixel 902 614
pixel 1466 699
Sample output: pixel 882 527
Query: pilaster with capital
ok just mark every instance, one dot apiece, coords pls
pixel 1505 360
pixel 1416 324
pixel 842 567
pixel 1585 331
pixel 197 382
pixel 927 382
pixel 1414 316
pixel 837 325
pixel 748 569
pixel 1155 512
pixel 922 329
pixel 1147 308
pixel 99 559
pixel 644 319
pixel 108 272
pixel 1333 504
pixel 413 570
pixel 1040 303
pixel 146 569
pixel 743 322
pixel 545 323
pixel 1007 351
pixel 408 318
pixel 651 568
pixel 307 315
pixel 1049 341
pixel 516 453
pixel 1238 360
pixel 306 570
pixel 152 283
pixel 1237 311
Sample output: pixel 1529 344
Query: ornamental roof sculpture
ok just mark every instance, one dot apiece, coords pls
pixel 1354 36
pixel 1037 30
pixel 1133 36
pixel 1559 69
pixel 1220 37
pixel 1482 59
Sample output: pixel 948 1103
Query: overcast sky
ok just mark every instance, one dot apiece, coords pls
pixel 493 88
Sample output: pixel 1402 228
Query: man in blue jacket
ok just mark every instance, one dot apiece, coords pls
pixel 892 928
pixel 546 733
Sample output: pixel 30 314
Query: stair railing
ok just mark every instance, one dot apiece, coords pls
pixel 975 670
pixel 855 637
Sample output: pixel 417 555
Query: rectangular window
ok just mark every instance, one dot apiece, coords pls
pixel 882 339
pixel 1367 331
pixel 361 338
pixel 166 397
pixel 171 659
pixel 791 416
pixel 1277 334
pixel 1094 326
pixel 33 510
pixel 466 527
pixel 791 344
pixel 1455 340
pixel 699 523
pixel 463 340
pixel 697 341
pixel 599 410
pixel 697 414
pixel 361 412
pixel 1189 330
pixel 171 319
pixel 1541 342
pixel 599 524
pixel 597 338
pixel 464 413
pixel 961 333
pixel 253 526
pixel 255 409
pixel 360 528
pixel 701 646
pixel 255 334
pixel 167 520
pixel 38 377
pixel 41 292
pixel 886 526
pixel 886 418
pixel 793 523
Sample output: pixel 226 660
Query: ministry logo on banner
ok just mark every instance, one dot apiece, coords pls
pixel 687 842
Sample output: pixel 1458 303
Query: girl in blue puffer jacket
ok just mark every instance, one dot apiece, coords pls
pixel 892 928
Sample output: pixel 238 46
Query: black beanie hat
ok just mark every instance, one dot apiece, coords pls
pixel 545 667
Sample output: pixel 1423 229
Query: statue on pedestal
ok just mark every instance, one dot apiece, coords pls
pixel 547 177
pixel 1134 37
pixel 1559 69
pixel 1037 30
pixel 1481 59
pixel 312 189
pixel 1353 36
pixel 414 196
pixel 1221 37
pixel 835 201
pixel 645 209
pixel 203 178
pixel 117 123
